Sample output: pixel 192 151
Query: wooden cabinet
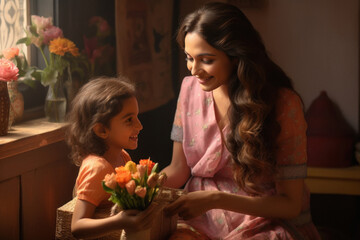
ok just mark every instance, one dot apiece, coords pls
pixel 36 177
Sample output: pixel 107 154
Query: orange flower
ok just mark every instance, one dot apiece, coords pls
pixel 60 46
pixel 122 176
pixel 140 191
pixel 130 187
pixel 10 53
pixel 110 180
pixel 147 162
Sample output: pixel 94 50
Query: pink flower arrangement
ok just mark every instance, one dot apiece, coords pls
pixel 26 73
pixel 8 70
pixel 63 53
pixel 42 31
pixel 134 186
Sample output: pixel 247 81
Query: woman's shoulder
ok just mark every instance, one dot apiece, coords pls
pixel 289 94
pixel 188 82
pixel 288 98
pixel 289 106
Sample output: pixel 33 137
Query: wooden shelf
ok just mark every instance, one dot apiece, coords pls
pixel 37 176
pixel 334 180
pixel 30 135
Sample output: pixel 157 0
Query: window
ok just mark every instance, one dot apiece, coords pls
pixel 15 16
pixel 13 19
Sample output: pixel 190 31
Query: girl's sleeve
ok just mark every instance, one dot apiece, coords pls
pixel 291 155
pixel 89 187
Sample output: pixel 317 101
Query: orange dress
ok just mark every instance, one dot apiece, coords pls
pixel 91 173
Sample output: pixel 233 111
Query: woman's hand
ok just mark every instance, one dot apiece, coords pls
pixel 192 204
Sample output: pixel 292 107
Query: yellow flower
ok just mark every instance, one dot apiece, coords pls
pixel 60 46
pixel 131 166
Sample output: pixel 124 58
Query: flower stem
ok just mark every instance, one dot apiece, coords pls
pixel 45 59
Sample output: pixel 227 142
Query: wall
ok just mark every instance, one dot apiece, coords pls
pixel 317 44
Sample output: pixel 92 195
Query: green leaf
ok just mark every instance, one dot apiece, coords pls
pixel 33 31
pixel 49 76
pixel 155 168
pixel 22 40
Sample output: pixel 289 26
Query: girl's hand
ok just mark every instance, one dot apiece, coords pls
pixel 192 204
pixel 134 220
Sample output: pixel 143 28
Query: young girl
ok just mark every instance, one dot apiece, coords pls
pixel 239 136
pixel 103 122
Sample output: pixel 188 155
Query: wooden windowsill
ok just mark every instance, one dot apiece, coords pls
pixel 30 135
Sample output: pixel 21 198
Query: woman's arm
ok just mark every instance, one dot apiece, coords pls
pixel 84 226
pixel 178 172
pixel 285 204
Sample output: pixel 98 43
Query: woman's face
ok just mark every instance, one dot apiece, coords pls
pixel 211 66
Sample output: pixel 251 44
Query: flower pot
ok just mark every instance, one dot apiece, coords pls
pixel 55 102
pixel 4 108
pixel 16 102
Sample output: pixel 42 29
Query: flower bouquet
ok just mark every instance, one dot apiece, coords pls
pixel 134 186
pixel 61 58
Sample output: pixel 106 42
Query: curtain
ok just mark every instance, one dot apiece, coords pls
pixel 143 43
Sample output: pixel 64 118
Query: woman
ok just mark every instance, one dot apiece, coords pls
pixel 239 136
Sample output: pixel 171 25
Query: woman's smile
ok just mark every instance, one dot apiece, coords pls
pixel 211 66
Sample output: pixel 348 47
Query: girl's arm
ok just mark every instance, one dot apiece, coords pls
pixel 285 204
pixel 178 172
pixel 84 226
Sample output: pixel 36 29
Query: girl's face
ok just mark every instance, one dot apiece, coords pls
pixel 125 127
pixel 211 66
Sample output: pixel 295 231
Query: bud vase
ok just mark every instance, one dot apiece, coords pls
pixel 137 235
pixel 55 102
pixel 16 103
pixel 4 108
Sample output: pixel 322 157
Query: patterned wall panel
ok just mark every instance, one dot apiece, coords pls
pixel 13 20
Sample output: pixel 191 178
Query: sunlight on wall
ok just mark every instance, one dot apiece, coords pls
pixel 13 19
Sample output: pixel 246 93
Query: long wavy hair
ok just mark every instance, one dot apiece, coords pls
pixel 253 90
pixel 98 101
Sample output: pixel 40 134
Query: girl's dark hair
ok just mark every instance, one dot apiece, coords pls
pixel 97 101
pixel 253 90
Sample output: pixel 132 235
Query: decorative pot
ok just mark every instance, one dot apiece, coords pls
pixel 55 102
pixel 16 102
pixel 4 108
pixel 137 235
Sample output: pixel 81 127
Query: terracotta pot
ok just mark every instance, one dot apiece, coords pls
pixel 16 103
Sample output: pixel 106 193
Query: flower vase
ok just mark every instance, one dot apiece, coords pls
pixel 16 103
pixel 137 235
pixel 55 102
pixel 4 108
